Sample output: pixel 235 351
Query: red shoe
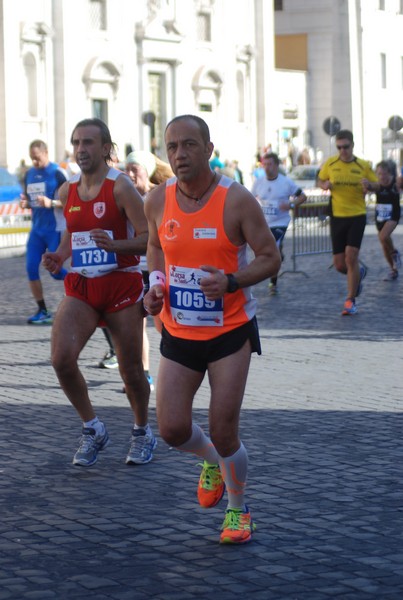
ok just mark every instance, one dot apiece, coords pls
pixel 237 527
pixel 350 307
pixel 211 486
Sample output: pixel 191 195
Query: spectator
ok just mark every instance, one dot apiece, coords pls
pixel 216 163
pixel 238 173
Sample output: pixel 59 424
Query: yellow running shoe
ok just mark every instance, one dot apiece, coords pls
pixel 211 485
pixel 237 527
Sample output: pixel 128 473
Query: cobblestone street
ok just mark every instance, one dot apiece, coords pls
pixel 322 421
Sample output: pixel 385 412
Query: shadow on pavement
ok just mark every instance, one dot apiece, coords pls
pixel 324 488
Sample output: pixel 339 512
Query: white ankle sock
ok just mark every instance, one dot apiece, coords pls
pixel 95 424
pixel 146 427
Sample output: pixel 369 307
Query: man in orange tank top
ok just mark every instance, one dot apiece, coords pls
pixel 200 223
pixel 106 233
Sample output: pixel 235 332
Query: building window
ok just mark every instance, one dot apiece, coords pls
pixel 100 109
pixel 205 108
pixel 291 52
pixel 401 7
pixel 97 15
pixel 278 4
pixel 207 85
pixel 290 112
pixel 383 71
pixel 381 4
pixel 204 27
pixel 157 104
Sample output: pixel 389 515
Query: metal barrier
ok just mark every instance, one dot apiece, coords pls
pixel 15 225
pixel 310 225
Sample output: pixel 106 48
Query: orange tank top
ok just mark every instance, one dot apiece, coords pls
pixel 189 240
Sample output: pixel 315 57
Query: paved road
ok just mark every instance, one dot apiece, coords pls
pixel 322 422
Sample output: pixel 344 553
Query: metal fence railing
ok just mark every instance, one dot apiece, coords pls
pixel 15 225
pixel 310 228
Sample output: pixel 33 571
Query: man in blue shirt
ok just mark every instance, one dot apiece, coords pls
pixel 216 163
pixel 41 184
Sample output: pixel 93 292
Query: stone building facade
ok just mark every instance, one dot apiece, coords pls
pixel 351 52
pixel 258 71
pixel 133 63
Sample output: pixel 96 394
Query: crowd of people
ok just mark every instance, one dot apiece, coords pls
pixel 171 241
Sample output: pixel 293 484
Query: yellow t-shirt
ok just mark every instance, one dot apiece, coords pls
pixel 348 198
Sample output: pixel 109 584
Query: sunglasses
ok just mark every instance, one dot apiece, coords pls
pixel 343 147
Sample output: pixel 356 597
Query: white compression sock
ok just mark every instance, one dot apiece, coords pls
pixel 201 445
pixel 234 470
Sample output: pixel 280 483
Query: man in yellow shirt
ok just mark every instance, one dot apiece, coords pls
pixel 343 175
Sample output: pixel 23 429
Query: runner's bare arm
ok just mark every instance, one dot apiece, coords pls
pixel 154 207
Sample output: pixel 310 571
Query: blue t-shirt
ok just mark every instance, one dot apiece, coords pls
pixel 43 182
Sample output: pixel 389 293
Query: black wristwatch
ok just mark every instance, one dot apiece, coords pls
pixel 233 285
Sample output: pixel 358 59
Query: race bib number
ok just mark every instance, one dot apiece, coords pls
pixel 87 259
pixel 189 306
pixel 34 190
pixel 383 212
pixel 270 209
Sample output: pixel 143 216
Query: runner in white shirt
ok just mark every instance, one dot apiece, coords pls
pixel 277 195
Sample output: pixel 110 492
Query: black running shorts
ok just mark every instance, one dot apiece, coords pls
pixel 197 355
pixel 347 231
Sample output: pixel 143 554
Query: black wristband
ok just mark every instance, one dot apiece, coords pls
pixel 233 285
